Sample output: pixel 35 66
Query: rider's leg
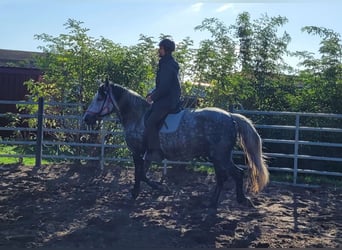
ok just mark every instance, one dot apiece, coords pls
pixel 151 134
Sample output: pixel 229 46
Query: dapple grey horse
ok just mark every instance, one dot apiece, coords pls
pixel 208 133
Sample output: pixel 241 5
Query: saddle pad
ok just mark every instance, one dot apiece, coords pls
pixel 171 122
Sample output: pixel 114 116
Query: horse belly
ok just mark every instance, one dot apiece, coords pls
pixel 184 145
pixel 207 132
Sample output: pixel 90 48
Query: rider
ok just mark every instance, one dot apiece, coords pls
pixel 165 98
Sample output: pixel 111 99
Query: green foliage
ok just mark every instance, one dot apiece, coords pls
pixel 322 78
pixel 215 59
pixel 243 64
pixel 72 64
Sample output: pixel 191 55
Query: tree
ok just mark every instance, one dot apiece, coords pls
pixel 242 63
pixel 184 55
pixel 67 64
pixel 215 62
pixel 244 33
pixel 215 58
pixel 330 50
pixel 267 56
pixel 322 77
pixel 247 53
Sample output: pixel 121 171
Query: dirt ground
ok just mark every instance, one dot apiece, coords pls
pixel 80 206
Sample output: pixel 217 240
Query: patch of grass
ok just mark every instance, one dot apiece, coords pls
pixel 5 149
pixel 281 177
pixel 321 180
pixel 310 179
pixel 11 150
pixel 8 150
pixel 203 169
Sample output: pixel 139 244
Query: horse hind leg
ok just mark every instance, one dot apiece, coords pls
pixel 138 175
pixel 237 174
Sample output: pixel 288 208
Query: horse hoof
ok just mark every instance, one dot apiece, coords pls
pixel 246 201
pixel 165 189
pixel 134 194
pixel 213 204
pixel 250 203
pixel 157 186
pixel 211 211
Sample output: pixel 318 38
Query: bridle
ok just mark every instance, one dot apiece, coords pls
pixel 106 94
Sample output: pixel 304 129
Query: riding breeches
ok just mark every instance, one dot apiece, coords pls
pixel 152 127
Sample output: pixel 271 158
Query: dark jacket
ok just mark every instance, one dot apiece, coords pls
pixel 167 92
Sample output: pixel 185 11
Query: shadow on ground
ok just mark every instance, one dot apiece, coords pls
pixel 78 206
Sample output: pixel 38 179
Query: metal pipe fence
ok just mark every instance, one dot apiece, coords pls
pixel 62 136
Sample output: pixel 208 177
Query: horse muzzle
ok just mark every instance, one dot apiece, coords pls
pixel 89 119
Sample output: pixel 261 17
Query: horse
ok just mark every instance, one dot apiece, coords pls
pixel 207 133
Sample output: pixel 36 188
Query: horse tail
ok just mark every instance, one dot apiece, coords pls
pixel 250 141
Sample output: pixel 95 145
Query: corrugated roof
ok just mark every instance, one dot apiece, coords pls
pixel 17 58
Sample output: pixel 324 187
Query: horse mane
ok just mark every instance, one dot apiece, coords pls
pixel 129 101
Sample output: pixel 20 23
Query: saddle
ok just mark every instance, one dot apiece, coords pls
pixel 171 122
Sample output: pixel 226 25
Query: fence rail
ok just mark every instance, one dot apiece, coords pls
pixel 103 148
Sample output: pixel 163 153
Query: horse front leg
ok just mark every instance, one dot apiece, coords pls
pixel 141 168
pixel 153 184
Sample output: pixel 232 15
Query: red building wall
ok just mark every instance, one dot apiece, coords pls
pixel 12 88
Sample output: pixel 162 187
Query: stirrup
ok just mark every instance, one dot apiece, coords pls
pixel 145 156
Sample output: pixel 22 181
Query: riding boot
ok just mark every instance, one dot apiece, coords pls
pixel 151 135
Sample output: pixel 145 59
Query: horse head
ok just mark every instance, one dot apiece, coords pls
pixel 103 104
pixel 112 97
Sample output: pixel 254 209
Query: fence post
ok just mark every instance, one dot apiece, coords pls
pixel 295 155
pixel 102 155
pixel 39 134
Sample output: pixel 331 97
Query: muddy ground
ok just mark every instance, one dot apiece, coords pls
pixel 78 206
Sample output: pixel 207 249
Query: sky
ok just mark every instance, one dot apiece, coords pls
pixel 122 21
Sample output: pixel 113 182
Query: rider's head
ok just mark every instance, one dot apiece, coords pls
pixel 167 45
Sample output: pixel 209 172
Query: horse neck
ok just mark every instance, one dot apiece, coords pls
pixel 132 108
